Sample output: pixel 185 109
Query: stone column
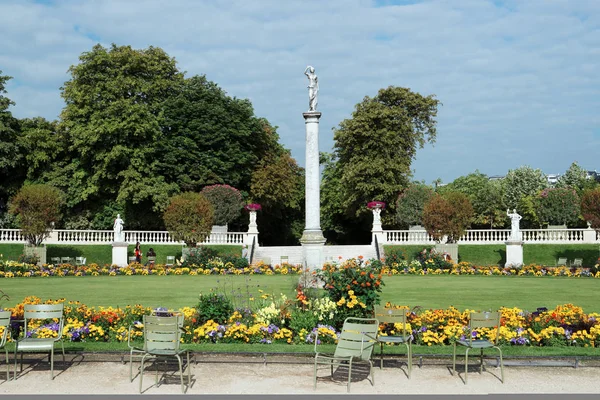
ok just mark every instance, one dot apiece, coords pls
pixel 119 253
pixel 377 230
pixel 252 229
pixel 312 239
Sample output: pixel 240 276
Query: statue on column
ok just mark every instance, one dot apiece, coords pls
pixel 376 216
pixel 313 88
pixel 514 224
pixel 118 228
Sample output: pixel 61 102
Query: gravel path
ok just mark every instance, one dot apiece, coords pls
pixel 235 377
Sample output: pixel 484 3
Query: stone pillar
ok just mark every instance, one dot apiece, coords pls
pixel 312 239
pixel 589 235
pixel 514 253
pixel 119 254
pixel 252 230
pixel 377 230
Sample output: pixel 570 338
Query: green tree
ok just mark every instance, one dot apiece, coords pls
pixel 448 214
pixel 278 185
pixel 590 207
pixel 558 206
pixel 387 129
pixel 11 171
pixel 189 218
pixel 485 196
pixel 226 202
pixel 522 182
pixel 576 177
pixel 38 209
pixel 113 118
pixel 41 147
pixel 410 204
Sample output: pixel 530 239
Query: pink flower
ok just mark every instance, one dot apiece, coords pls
pixel 375 204
pixel 252 207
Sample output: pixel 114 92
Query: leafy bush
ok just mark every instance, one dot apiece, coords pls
pixel 201 256
pixel 29 259
pixel 410 204
pixel 354 286
pixel 394 256
pixel 214 306
pixel 189 217
pixel 226 201
pixel 37 208
pixel 448 215
pixel 301 319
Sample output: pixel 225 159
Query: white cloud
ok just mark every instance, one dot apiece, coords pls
pixel 518 80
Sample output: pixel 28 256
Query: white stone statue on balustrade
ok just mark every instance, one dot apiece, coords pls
pixel 118 228
pixel 377 216
pixel 514 225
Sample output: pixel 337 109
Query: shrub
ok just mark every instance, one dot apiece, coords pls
pixel 214 306
pixel 410 204
pixel 448 215
pixel 38 208
pixel 226 202
pixel 300 319
pixel 354 286
pixel 201 255
pixel 429 258
pixel 394 256
pixel 189 217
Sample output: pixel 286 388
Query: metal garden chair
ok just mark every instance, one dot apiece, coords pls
pixel 162 339
pixel 479 320
pixel 5 325
pixel 403 336
pixel 50 312
pixel 170 261
pixel 562 261
pixel 356 342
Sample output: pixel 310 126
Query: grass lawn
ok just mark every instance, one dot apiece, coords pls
pixel 462 292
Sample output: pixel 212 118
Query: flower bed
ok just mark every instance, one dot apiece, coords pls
pixel 566 325
pixel 216 266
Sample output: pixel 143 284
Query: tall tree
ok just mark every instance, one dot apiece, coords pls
pixel 11 173
pixel 576 177
pixel 41 146
pixel 522 182
pixel 410 204
pixel 374 149
pixel 448 214
pixel 558 206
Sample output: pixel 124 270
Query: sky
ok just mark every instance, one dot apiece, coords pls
pixel 518 80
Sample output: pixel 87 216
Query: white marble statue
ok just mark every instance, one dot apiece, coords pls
pixel 118 228
pixel 376 216
pixel 253 218
pixel 514 224
pixel 313 88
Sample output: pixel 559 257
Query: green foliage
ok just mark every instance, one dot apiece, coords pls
pixel 431 259
pixel 203 254
pixel 410 203
pixel 486 197
pixel 557 206
pixel 576 177
pixel 410 252
pixel 11 171
pixel 520 183
pixel 37 207
pixel 189 218
pixel 226 202
pixel 388 129
pixel 590 207
pixel 214 306
pixel 448 215
pixel 301 319
pixel 394 255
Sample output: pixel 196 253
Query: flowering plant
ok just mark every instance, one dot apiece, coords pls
pixel 375 204
pixel 252 207
pixel 162 312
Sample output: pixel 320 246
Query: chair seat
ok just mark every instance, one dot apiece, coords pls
pixel 165 352
pixel 33 344
pixel 392 339
pixel 476 344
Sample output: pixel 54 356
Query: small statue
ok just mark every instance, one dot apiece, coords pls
pixel 313 88
pixel 118 228
pixel 514 224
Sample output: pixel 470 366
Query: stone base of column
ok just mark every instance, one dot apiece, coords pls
pixel 312 248
pixel 514 253
pixel 119 254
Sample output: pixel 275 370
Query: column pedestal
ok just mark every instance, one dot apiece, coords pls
pixel 514 253
pixel 119 254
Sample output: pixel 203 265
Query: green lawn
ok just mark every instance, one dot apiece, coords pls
pixel 473 292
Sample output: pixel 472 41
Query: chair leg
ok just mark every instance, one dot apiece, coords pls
pixel 189 369
pixel 409 354
pixel 142 371
pixel 130 365
pixel 180 372
pixel 481 362
pixel 7 364
pixel 466 364
pixel 453 359
pixel 63 352
pixel 372 373
pixel 381 356
pixel 315 376
pixel 501 364
pixel 349 374
pixel 52 363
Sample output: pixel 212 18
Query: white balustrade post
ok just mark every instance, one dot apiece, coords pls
pixel 589 235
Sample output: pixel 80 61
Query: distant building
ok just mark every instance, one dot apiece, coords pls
pixel 593 175
pixel 495 177
pixel 552 178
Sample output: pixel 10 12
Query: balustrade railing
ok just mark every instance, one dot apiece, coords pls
pixel 72 236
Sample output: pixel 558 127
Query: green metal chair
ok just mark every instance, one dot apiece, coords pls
pixel 5 324
pixel 50 312
pixel 479 320
pixel 395 316
pixel 162 339
pixel 356 342
pixel 578 262
pixel 561 262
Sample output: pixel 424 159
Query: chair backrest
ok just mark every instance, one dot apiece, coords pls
pixel 79 260
pixel 488 319
pixel 65 260
pixel 151 259
pixel 170 260
pixel 357 339
pixel 5 324
pixel 55 260
pixel 162 333
pixel 578 262
pixel 393 316
pixel 284 260
pixel 45 311
pixel 131 259
pixel 561 261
